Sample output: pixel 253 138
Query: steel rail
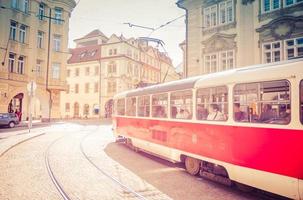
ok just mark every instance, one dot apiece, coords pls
pixel 115 180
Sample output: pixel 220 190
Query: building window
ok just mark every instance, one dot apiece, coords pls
pixel 67 107
pixel 227 60
pixel 226 12
pixel 87 71
pixel 212 103
pixel 56 70
pixel 262 102
pixel 22 33
pixel 136 71
pixel 211 63
pixel 77 72
pixel 160 105
pixel 110 52
pixel 112 68
pixel 11 62
pixel 41 11
pixel 39 68
pixel 129 68
pixel 57 43
pixel 40 39
pixel 13 30
pixel 77 88
pixel 181 105
pixel 14 4
pixel 271 5
pixel 25 6
pixel 272 52
pixel 210 16
pixel 20 69
pixel 96 70
pixel 96 88
pixel 58 16
pixel 143 106
pixel 111 87
pixel 68 73
pixel 115 52
pixel 67 88
pixel 131 106
pixel 86 87
pixel 294 48
pixel 86 110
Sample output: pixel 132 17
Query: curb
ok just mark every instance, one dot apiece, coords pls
pixel 2 152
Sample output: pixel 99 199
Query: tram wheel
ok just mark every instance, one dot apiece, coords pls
pixel 192 165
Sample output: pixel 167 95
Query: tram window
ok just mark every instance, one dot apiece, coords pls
pixel 181 104
pixel 131 106
pixel 212 103
pixel 143 106
pixel 301 101
pixel 159 105
pixel 121 106
pixel 264 102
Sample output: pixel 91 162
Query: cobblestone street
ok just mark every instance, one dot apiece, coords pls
pixel 81 161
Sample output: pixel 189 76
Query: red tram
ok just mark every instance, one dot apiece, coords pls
pixel 243 125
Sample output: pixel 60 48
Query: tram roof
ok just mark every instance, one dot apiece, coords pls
pixel 234 75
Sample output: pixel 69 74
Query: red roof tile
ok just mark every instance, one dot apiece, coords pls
pixel 85 54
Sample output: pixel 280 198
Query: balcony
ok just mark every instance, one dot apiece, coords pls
pixel 57 84
pixel 18 77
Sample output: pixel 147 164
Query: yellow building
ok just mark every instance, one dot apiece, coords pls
pixel 225 34
pixel 33 48
pixel 102 66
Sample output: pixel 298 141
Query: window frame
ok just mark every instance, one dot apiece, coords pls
pixel 258 101
pixel 167 106
pixel 117 107
pixel 56 71
pixel 181 105
pixel 22 33
pixel 149 106
pixel 13 30
pixel 127 111
pixel 21 63
pixel 209 103
pixel 40 39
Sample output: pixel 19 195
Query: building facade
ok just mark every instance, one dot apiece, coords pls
pixel 102 66
pixel 33 47
pixel 226 34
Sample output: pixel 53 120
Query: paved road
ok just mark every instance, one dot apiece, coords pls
pixel 85 163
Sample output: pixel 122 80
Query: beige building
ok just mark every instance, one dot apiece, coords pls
pixel 225 34
pixel 24 52
pixel 101 66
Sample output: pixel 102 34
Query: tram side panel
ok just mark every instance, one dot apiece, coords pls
pixel 272 151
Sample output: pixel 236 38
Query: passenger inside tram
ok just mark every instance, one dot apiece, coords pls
pixel 267 114
pixel 215 114
pixel 238 114
pixel 183 113
pixel 202 113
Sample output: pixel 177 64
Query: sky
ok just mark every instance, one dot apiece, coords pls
pixel 109 17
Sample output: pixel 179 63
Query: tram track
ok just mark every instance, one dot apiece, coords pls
pixel 51 173
pixel 124 187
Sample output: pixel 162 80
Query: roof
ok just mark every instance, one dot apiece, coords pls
pixel 94 33
pixel 85 54
pixel 281 70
